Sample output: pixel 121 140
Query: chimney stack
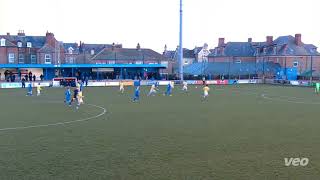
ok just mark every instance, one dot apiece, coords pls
pixel 250 40
pixel 8 34
pixel 50 39
pixel 221 42
pixel 269 40
pixel 298 39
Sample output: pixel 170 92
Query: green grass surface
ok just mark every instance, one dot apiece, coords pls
pixel 236 134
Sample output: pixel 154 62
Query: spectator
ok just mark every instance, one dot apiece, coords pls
pixel 86 80
pixel 30 76
pixel 26 77
pixel 23 83
pixel 34 77
pixel 41 77
pixel 13 78
pixel 6 74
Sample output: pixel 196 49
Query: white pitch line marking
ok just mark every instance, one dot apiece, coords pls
pixel 60 123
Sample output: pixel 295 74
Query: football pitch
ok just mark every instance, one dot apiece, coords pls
pixel 240 132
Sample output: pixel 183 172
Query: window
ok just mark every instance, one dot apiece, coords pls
pixel 33 59
pixel 139 62
pixel 29 44
pixel 11 57
pixel 3 42
pixel 112 62
pixel 21 58
pixel 238 61
pixel 20 44
pixel 47 59
pixel 71 60
pixel 295 64
pixel 70 50
pixel 165 63
pixel 186 62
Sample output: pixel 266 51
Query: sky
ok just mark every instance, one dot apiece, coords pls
pixel 154 23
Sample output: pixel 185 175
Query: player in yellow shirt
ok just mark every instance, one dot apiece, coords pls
pixel 121 89
pixel 80 97
pixel 153 90
pixel 39 89
pixel 206 90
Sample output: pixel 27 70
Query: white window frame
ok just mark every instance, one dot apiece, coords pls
pixel 3 42
pixel 112 62
pixel 70 50
pixel 47 59
pixel 29 44
pixel 21 59
pixel 11 58
pixel 19 44
pixel 139 62
pixel 33 58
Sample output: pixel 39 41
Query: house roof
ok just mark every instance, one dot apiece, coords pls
pixel 243 49
pixel 187 53
pixel 36 41
pixel 128 54
pixel 170 54
pixel 283 45
pixel 74 46
pixel 47 48
pixel 96 47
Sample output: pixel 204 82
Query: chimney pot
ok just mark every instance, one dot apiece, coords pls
pixel 21 33
pixel 138 46
pixel 250 40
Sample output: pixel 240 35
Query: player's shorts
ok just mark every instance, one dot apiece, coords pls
pixel 205 94
pixel 38 91
pixel 80 100
pixel 184 88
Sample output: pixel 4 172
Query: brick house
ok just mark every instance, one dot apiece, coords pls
pixel 44 55
pixel 287 51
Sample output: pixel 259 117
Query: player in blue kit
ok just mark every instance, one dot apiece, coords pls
pixel 136 94
pixel 29 90
pixel 67 95
pixel 169 89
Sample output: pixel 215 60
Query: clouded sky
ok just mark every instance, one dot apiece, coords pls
pixel 154 23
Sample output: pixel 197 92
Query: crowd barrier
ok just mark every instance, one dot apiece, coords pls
pixel 303 83
pixel 131 83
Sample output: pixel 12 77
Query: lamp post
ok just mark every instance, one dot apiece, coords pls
pixel 180 46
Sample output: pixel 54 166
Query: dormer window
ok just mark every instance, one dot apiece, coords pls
pixel 92 52
pixel 3 42
pixel 70 50
pixel 19 44
pixel 29 44
pixel 275 50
